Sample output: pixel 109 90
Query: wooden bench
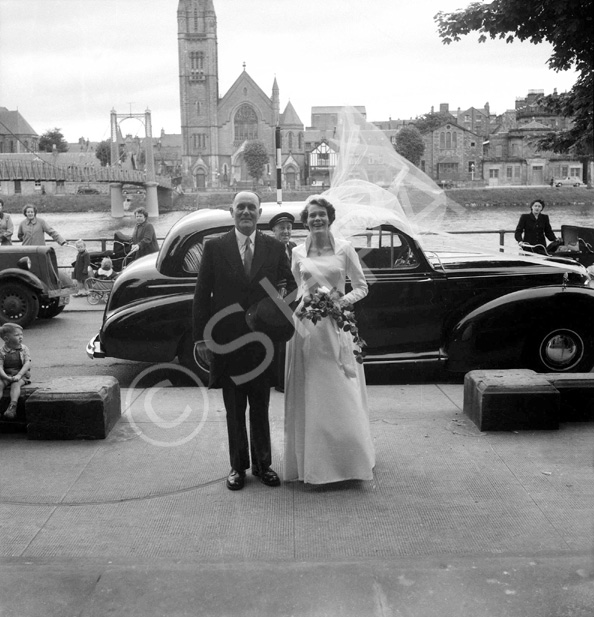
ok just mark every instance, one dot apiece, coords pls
pixel 67 408
pixel 509 400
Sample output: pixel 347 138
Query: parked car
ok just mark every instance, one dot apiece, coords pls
pixel 467 311
pixel 87 190
pixel 569 181
pixel 132 189
pixel 31 285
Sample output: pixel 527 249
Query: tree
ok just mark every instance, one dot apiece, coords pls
pixel 432 121
pixel 410 144
pixel 103 152
pixel 51 138
pixel 255 157
pixel 566 25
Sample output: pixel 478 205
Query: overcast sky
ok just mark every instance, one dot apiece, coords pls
pixel 67 63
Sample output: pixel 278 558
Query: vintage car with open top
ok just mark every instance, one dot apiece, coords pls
pixel 464 310
pixel 31 284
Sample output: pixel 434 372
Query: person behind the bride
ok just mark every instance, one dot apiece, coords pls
pixel 327 433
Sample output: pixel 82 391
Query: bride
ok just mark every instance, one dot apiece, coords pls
pixel 327 436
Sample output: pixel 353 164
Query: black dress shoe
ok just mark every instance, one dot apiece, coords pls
pixel 235 480
pixel 267 477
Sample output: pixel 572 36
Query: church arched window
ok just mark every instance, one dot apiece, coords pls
pixel 290 141
pixel 246 123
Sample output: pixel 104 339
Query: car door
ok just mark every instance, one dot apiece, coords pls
pixel 402 316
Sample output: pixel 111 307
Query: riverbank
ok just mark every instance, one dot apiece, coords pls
pixel 469 197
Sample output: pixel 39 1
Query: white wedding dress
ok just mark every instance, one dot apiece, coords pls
pixel 327 436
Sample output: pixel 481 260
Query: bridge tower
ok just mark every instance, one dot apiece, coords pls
pixel 152 202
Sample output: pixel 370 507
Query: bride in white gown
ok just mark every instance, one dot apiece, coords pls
pixel 327 436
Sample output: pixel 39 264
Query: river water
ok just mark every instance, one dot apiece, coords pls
pixel 89 225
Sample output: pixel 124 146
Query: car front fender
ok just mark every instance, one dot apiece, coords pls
pixel 22 276
pixel 495 335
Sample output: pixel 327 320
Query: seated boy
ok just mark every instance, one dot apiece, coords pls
pixel 15 364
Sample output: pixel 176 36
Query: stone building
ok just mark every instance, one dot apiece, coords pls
pixel 510 155
pixel 215 129
pixel 16 134
pixel 452 154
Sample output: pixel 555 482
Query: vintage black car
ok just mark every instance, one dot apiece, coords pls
pixel 467 311
pixel 31 285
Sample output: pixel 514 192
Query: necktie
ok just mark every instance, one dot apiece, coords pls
pixel 248 255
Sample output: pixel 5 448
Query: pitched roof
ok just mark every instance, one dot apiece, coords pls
pixel 13 122
pixel 289 117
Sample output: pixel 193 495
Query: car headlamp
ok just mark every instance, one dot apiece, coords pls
pixel 24 263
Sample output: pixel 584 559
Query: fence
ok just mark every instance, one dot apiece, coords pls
pixel 102 243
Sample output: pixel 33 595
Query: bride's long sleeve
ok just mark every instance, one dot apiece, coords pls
pixel 355 273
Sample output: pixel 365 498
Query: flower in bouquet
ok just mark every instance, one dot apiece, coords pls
pixel 324 302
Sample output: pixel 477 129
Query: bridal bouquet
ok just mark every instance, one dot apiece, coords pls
pixel 325 302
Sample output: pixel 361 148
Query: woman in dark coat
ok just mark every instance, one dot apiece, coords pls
pixel 144 239
pixel 534 228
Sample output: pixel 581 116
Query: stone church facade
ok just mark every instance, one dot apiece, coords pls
pixel 215 130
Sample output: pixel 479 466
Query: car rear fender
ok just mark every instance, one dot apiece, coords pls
pixel 495 334
pixel 149 329
pixel 22 276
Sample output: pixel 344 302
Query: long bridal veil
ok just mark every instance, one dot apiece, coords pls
pixel 373 185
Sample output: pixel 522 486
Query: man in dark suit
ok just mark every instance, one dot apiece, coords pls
pixel 229 283
pixel 281 225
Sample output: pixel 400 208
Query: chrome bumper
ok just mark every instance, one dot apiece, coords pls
pixel 94 348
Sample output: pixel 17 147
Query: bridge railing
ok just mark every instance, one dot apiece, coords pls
pixel 18 169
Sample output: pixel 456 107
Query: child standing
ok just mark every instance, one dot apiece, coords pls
pixel 81 268
pixel 15 364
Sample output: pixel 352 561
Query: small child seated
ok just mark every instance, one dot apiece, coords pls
pixel 15 364
pixel 106 271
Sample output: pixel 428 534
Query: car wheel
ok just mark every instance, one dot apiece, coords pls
pixel 50 308
pixel 186 358
pixel 562 350
pixel 18 304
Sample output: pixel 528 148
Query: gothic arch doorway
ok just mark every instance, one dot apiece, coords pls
pixel 200 179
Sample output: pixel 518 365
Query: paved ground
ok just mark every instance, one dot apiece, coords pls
pixel 455 523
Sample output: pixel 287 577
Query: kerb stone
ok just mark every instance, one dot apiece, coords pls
pixel 511 400
pixel 18 424
pixel 577 395
pixel 74 408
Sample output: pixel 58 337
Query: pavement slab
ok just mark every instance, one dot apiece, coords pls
pixel 455 522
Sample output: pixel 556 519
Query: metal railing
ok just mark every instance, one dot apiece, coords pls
pixel 502 233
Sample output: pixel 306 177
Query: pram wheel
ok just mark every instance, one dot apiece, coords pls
pixel 93 297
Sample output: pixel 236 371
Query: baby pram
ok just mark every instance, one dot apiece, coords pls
pixel 99 289
pixel 120 255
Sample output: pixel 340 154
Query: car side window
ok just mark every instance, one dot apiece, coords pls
pixel 385 249
pixel 193 254
pixel 192 258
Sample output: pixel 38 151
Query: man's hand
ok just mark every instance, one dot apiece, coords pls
pixel 201 351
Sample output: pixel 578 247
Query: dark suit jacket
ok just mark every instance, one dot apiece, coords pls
pixel 223 287
pixel 534 229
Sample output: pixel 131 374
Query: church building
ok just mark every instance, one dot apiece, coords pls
pixel 215 130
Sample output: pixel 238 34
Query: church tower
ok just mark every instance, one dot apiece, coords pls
pixel 199 90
